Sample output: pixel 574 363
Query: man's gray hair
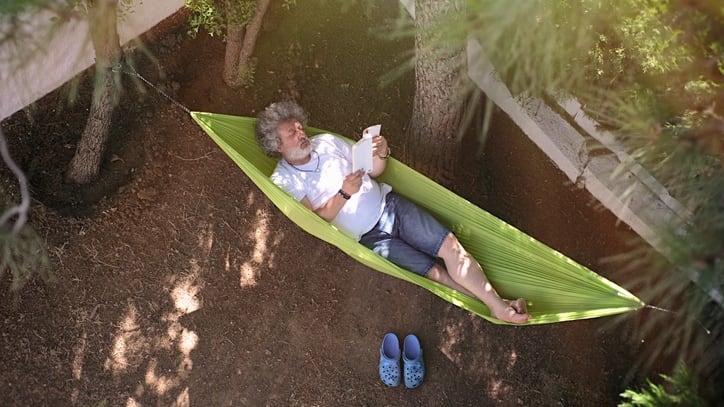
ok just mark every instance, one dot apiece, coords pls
pixel 269 120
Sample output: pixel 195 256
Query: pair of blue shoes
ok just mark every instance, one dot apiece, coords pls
pixel 414 367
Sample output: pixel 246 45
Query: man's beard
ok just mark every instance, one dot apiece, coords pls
pixel 300 153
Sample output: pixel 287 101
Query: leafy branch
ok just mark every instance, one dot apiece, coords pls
pixel 20 210
pixel 22 251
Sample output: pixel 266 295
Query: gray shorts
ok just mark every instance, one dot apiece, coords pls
pixel 406 235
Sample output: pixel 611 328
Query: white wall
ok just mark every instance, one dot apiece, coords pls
pixel 63 53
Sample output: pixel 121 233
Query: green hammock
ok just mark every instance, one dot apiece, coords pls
pixel 556 287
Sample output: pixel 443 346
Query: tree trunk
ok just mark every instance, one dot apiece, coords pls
pixel 85 165
pixel 438 106
pixel 240 44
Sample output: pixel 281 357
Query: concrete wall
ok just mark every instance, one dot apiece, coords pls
pixel 632 194
pixel 60 55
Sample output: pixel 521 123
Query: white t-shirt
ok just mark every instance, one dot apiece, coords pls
pixel 321 178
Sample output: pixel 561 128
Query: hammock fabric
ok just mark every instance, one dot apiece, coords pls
pixel 556 287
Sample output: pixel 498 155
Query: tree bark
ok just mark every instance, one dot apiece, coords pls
pixel 240 44
pixel 85 165
pixel 438 106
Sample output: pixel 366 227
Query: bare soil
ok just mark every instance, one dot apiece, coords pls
pixel 179 283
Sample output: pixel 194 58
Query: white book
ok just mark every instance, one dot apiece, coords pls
pixel 362 150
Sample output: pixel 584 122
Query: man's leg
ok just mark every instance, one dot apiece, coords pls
pixel 439 274
pixel 464 270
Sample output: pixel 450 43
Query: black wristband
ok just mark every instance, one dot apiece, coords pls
pixel 344 194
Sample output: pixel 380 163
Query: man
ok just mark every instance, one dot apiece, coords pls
pixel 318 173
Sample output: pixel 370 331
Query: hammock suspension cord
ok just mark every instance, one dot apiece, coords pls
pixel 133 72
pixel 653 307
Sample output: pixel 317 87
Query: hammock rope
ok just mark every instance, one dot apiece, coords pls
pixel 119 68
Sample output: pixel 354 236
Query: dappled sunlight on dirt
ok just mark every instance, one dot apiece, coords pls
pixel 493 352
pixel 249 270
pixel 451 335
pixel 128 341
pixel 260 235
pixel 247 275
pixel 185 297
pixel 78 354
pixel 135 345
pixel 132 349
pixel 497 388
pixel 159 383
pixel 77 366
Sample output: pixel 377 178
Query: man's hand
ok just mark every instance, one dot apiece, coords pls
pixel 352 182
pixel 381 150
pixel 379 146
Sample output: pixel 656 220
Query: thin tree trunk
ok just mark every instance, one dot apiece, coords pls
pixel 234 41
pixel 240 47
pixel 437 107
pixel 85 165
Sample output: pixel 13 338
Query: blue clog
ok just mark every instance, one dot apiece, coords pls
pixel 414 365
pixel 390 360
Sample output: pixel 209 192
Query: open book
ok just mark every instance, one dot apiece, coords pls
pixel 362 150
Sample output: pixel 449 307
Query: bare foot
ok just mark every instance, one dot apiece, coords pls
pixel 519 306
pixel 515 312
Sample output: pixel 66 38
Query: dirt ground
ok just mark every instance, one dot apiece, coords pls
pixel 179 284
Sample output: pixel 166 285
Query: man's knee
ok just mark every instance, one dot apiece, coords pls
pixel 451 246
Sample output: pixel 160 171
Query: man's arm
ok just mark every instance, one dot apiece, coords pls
pixel 331 208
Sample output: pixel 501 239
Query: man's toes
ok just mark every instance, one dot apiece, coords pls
pixel 520 306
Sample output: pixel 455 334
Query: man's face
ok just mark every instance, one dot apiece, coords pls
pixel 293 142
